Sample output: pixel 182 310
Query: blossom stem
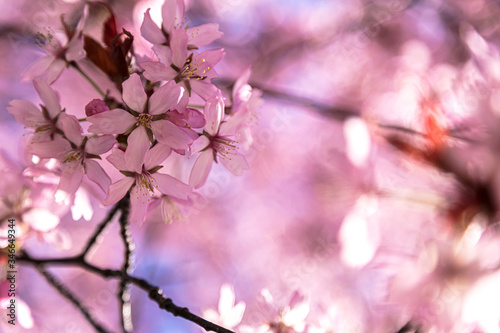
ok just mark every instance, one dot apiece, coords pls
pixel 88 78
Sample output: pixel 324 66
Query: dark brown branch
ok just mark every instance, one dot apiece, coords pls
pixel 154 292
pixel 66 293
pixel 95 237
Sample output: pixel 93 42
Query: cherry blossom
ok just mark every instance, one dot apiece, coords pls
pixel 172 13
pixel 60 54
pixel 217 144
pixel 229 314
pixel 144 184
pixel 146 120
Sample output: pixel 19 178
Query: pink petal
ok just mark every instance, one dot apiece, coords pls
pixel 138 144
pixel 178 45
pixel 56 148
pixel 214 109
pixel 209 59
pixel 233 125
pixel 71 179
pixel 172 13
pixel 164 54
pixel 118 190
pixel 150 31
pixel 117 158
pixel 203 34
pixel 133 93
pixel 172 186
pixel 75 50
pixel 201 169
pixel 48 96
pixel 199 144
pixel 100 144
pixel 55 69
pixel 156 71
pixel 26 113
pixel 115 121
pixel 72 129
pixel 24 317
pixel 169 134
pixel 140 197
pixel 204 89
pixel 38 68
pixel 156 155
pixel 234 163
pixel 97 174
pixel 41 219
pixel 167 97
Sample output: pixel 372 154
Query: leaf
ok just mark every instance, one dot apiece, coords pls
pixel 99 56
pixel 119 49
pixel 109 33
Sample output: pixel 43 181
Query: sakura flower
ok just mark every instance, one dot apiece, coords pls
pixel 60 54
pixel 45 122
pixel 229 315
pixel 216 143
pixel 193 70
pixel 143 184
pixel 145 121
pixel 170 209
pixel 172 13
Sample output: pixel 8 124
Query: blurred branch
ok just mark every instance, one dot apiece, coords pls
pixel 66 293
pixel 123 274
pixel 124 286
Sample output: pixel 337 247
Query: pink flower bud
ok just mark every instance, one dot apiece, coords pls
pixel 95 106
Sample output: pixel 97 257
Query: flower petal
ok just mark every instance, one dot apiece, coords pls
pixel 37 68
pixel 234 163
pixel 156 71
pixel 233 125
pixel 204 89
pixel 214 109
pixel 41 219
pixel 150 31
pixel 172 186
pixel 26 113
pixel 48 96
pixel 75 50
pixel 100 144
pixel 178 45
pixel 172 13
pixel 117 158
pixel 71 179
pixel 156 155
pixel 133 93
pixel 199 144
pixel 56 148
pixel 201 169
pixel 140 197
pixel 97 174
pixel 203 34
pixel 138 144
pixel 72 129
pixel 115 121
pixel 169 134
pixel 167 97
pixel 54 70
pixel 118 190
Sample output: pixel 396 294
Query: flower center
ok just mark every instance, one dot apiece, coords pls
pixel 144 120
pixel 191 69
pixel 224 146
pixel 72 156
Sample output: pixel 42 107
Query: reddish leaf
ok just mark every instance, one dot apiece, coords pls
pixel 99 56
pixel 109 32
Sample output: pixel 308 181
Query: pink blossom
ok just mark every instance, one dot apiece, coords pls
pixel 145 121
pixel 217 143
pixel 229 314
pixel 45 122
pixel 76 154
pixel 143 184
pixel 193 70
pixel 59 54
pixel 172 15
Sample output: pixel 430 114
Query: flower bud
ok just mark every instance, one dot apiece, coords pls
pixel 95 106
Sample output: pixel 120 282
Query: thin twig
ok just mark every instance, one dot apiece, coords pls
pixel 66 293
pixel 95 237
pixel 154 292
pixel 88 78
pixel 124 286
